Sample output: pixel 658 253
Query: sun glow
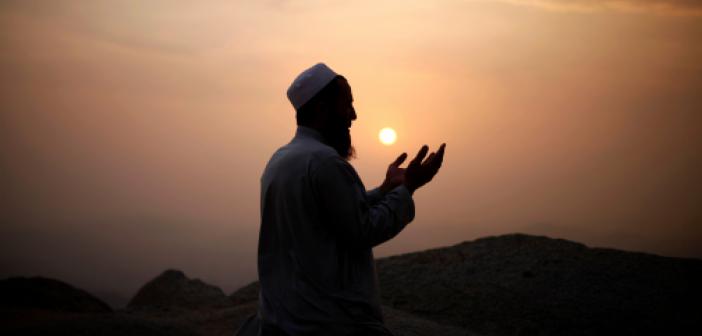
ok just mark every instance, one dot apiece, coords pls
pixel 387 136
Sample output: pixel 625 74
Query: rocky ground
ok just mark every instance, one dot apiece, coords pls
pixel 527 285
pixel 506 285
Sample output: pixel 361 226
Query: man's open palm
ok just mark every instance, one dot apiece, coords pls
pixel 420 170
pixel 395 175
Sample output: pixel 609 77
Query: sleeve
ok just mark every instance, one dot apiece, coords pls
pixel 374 195
pixel 349 213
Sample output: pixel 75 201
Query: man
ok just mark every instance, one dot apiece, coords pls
pixel 318 223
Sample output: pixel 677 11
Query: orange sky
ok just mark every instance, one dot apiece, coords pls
pixel 133 134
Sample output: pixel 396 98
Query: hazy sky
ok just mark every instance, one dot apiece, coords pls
pixel 133 133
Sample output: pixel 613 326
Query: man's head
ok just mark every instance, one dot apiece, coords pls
pixel 329 110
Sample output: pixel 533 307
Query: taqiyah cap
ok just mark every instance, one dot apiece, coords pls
pixel 309 83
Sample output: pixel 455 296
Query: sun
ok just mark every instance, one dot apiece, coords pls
pixel 387 136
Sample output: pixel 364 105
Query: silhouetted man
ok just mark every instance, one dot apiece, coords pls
pixel 319 224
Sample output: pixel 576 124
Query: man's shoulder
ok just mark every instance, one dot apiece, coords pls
pixel 310 154
pixel 309 149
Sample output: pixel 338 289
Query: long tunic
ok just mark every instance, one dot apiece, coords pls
pixel 318 228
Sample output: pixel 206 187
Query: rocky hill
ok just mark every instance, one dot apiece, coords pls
pixel 173 289
pixel 526 285
pixel 506 285
pixel 39 293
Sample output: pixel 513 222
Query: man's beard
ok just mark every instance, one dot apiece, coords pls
pixel 339 138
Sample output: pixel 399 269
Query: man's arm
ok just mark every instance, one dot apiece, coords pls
pixel 374 195
pixel 350 213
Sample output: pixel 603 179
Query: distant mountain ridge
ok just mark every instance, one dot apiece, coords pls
pixel 505 285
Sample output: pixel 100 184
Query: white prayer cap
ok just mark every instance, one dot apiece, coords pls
pixel 308 83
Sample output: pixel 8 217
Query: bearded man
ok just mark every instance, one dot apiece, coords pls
pixel 319 224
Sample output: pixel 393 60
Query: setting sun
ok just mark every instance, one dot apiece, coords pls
pixel 387 136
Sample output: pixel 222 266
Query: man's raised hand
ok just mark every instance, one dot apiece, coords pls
pixel 420 171
pixel 395 175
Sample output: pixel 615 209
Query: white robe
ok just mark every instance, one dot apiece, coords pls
pixel 318 228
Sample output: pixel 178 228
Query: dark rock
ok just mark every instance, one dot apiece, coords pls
pixel 405 324
pixel 38 293
pixel 520 284
pixel 152 314
pixel 104 324
pixel 248 293
pixel 172 289
pixel 507 285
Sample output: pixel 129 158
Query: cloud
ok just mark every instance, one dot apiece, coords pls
pixel 665 7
